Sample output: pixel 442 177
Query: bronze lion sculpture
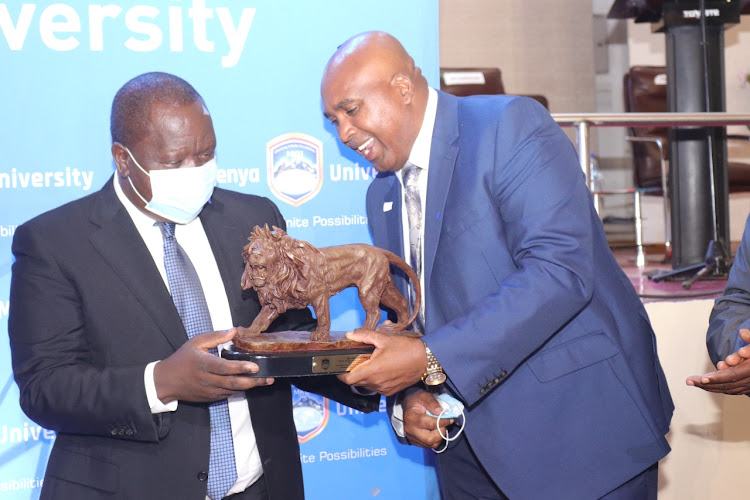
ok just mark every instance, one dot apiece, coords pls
pixel 291 274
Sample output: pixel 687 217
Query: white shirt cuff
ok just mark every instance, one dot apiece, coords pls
pixel 153 400
pixel 397 412
pixel 397 416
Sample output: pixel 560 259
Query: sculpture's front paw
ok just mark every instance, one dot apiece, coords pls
pixel 320 336
pixel 248 332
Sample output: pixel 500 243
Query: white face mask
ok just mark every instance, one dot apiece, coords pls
pixel 178 194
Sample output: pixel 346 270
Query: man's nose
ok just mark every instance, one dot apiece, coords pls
pixel 346 132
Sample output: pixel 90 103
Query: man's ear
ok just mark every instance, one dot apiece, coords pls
pixel 121 157
pixel 404 85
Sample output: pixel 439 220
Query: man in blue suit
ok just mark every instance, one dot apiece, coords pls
pixel 728 336
pixel 540 334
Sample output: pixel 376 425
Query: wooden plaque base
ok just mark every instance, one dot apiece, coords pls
pixel 293 354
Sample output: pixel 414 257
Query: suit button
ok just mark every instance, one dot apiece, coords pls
pixel 482 390
pixel 113 432
pixel 503 374
pixel 129 432
pixel 202 476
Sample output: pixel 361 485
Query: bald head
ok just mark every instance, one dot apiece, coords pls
pixel 376 97
pixel 379 52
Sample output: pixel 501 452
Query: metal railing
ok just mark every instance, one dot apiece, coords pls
pixel 584 121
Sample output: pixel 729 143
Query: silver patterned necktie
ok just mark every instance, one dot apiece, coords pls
pixel 187 295
pixel 413 201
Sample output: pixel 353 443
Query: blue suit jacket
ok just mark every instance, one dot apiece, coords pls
pixel 731 311
pixel 540 332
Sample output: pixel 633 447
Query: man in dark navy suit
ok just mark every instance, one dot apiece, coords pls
pixel 100 351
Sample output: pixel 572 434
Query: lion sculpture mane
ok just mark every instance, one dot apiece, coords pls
pixel 291 274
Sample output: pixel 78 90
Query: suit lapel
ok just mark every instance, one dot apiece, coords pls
pixel 219 230
pixel 120 244
pixel 385 214
pixel 443 153
pixel 385 220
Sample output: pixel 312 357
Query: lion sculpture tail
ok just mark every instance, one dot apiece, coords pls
pixel 405 267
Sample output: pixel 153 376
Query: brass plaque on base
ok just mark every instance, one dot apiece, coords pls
pixel 293 354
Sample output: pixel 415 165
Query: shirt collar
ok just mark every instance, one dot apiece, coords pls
pixel 420 151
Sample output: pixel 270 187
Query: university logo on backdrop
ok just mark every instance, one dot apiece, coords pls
pixel 310 412
pixel 295 167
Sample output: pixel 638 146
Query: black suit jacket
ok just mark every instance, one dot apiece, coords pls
pixel 89 310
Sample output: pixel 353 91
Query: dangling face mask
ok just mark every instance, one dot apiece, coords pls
pixel 178 194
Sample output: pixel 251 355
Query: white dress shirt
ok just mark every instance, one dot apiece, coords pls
pixel 192 238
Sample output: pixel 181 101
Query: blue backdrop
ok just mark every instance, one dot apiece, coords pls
pixel 258 66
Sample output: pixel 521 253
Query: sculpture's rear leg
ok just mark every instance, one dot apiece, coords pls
pixel 371 296
pixel 393 300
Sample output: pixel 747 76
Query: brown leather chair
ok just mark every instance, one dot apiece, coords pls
pixel 645 89
pixel 476 81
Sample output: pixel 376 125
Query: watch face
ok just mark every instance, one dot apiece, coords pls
pixel 436 378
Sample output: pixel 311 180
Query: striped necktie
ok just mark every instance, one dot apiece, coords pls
pixel 413 202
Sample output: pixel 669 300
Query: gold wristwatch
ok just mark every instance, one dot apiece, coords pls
pixel 434 374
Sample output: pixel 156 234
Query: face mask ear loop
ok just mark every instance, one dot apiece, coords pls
pixel 447 438
pixel 131 180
